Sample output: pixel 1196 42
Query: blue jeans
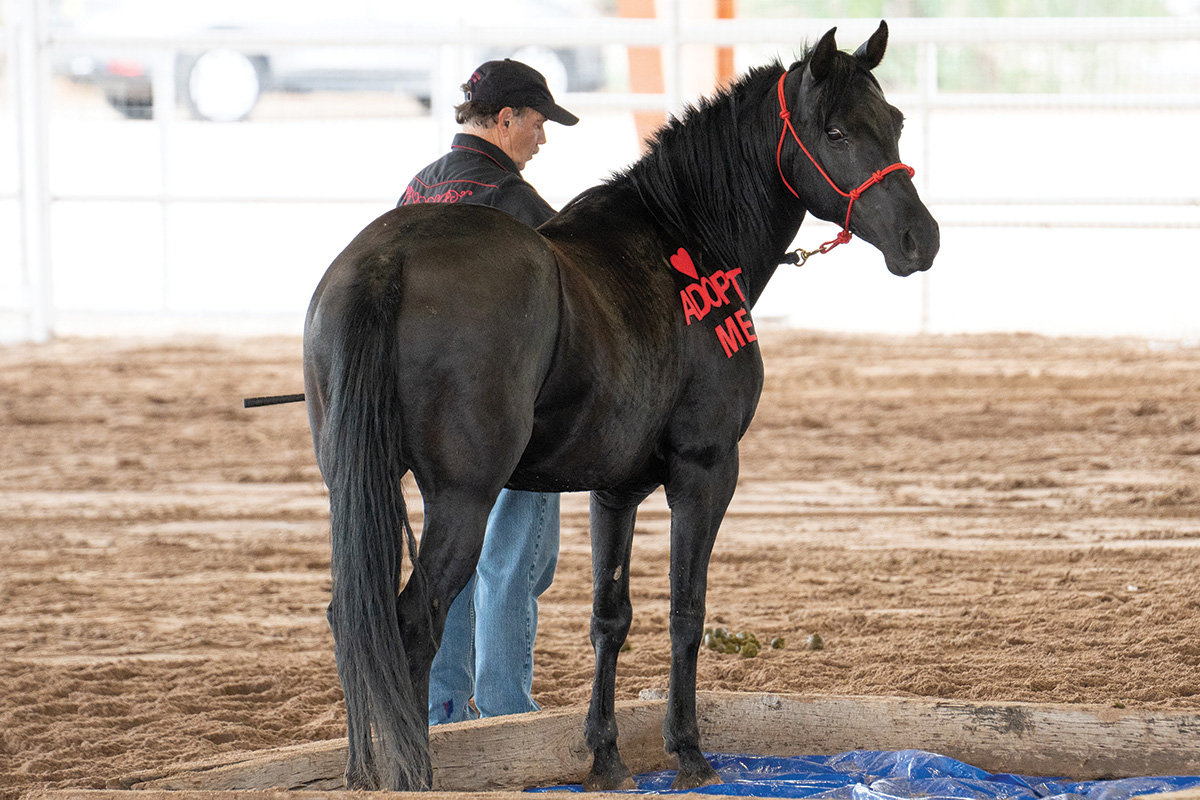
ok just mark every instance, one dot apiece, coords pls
pixel 487 645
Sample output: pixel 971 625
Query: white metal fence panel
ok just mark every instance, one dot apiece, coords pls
pixel 1063 212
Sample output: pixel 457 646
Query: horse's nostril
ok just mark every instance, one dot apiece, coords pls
pixel 908 244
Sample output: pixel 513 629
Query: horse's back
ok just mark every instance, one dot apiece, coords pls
pixel 439 255
pixel 468 300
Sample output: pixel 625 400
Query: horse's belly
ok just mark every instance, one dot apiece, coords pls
pixel 585 454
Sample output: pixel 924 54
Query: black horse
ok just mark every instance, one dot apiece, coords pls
pixel 612 350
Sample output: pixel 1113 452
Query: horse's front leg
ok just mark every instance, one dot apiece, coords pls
pixel 612 517
pixel 698 496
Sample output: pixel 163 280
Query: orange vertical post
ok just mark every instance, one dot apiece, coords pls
pixel 726 9
pixel 645 70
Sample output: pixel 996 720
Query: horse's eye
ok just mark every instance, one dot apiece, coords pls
pixel 834 134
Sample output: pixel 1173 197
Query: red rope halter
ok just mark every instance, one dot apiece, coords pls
pixel 853 194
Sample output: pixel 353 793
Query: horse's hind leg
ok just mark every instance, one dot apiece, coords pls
pixel 612 535
pixel 451 540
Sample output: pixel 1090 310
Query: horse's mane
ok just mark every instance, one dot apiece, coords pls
pixel 709 166
pixel 708 172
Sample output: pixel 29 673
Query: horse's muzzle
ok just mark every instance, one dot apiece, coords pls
pixel 918 246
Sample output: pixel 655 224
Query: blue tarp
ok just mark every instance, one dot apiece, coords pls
pixel 893 775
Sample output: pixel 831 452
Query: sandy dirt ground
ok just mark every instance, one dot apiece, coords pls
pixel 990 517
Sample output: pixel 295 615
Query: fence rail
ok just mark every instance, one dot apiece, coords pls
pixel 678 31
pixel 30 42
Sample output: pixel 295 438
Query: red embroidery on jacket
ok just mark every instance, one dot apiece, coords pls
pixel 411 196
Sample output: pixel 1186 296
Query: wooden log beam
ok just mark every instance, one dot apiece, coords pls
pixel 1077 741
pixel 499 753
pixel 547 747
pixel 285 794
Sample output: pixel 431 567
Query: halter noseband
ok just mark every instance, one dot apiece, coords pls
pixel 853 194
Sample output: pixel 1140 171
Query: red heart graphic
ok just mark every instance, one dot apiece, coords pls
pixel 683 262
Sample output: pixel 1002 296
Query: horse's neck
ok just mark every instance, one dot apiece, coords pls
pixel 737 216
pixel 726 238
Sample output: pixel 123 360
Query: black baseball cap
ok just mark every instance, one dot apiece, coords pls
pixel 511 83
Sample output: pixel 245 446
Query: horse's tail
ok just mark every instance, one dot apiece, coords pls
pixel 388 723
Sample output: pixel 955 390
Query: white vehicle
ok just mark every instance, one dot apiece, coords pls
pixel 224 84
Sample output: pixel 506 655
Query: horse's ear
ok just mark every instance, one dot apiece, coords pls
pixel 821 60
pixel 871 52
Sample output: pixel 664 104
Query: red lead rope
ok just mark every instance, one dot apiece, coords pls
pixel 853 194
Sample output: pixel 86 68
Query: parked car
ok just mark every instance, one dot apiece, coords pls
pixel 225 83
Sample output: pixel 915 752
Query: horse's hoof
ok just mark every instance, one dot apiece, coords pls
pixel 686 780
pixel 615 781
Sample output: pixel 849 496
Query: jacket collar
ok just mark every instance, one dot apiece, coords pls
pixel 466 142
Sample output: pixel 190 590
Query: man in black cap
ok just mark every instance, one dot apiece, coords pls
pixel 506 106
pixel 487 647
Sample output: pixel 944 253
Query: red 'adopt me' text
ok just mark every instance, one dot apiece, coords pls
pixel 713 292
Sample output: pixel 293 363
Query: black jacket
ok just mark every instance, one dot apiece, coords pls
pixel 476 171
